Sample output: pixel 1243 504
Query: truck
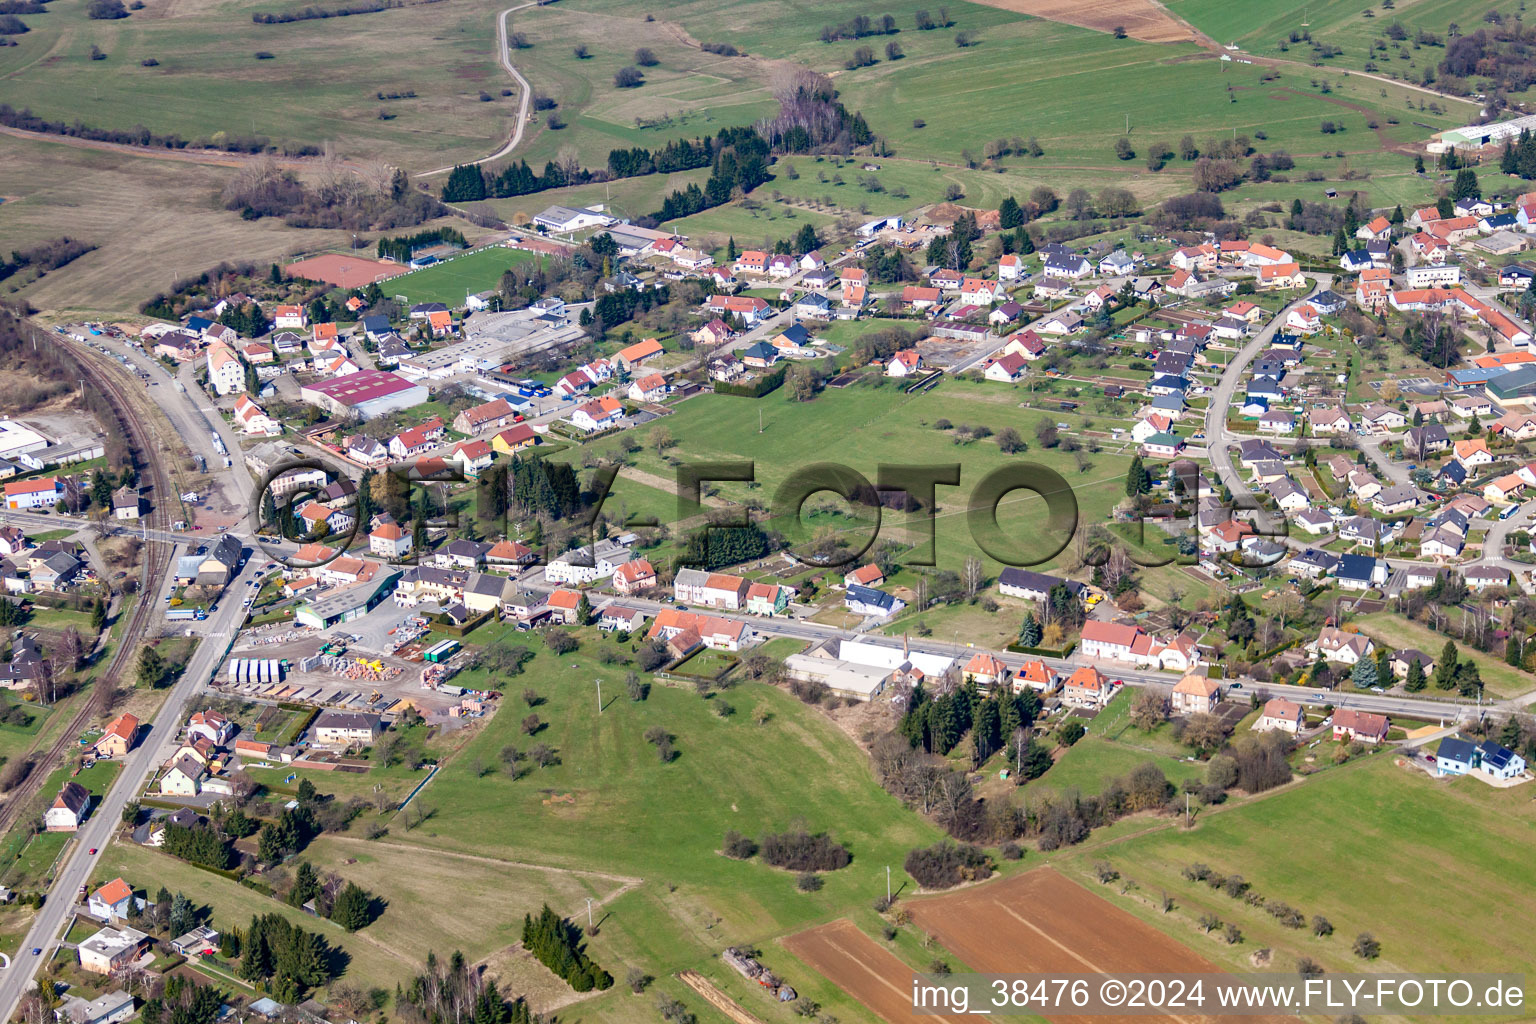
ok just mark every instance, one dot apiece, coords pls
pixel 176 614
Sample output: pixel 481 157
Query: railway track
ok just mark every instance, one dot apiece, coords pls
pixel 152 571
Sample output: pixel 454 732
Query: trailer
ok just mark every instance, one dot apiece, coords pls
pixel 441 652
pixel 182 614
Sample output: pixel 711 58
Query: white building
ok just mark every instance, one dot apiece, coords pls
pixel 226 373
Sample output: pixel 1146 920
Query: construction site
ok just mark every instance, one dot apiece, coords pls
pixel 284 664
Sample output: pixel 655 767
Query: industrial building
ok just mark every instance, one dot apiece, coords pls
pixel 369 393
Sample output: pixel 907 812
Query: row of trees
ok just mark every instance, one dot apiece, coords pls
pixel 556 943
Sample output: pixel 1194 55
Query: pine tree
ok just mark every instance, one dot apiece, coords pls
pixel 1364 674
pixel 98 615
pixel 1397 215
pixel 730 250
pixel 351 909
pixel 181 915
pixel 306 885
pixel 1466 186
pixel 1009 214
pixel 1512 651
pixel 1138 480
pixel 1445 669
pixel 1030 633
pixel 1415 681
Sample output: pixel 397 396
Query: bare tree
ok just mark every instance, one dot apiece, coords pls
pixel 973 575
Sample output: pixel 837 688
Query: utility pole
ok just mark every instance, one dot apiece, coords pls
pixel 589 914
pixel 888 878
pixel 599 696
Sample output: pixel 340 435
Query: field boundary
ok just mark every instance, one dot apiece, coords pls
pixel 716 998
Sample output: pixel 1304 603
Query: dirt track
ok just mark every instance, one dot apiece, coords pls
pixel 716 998
pixel 864 969
pixel 1043 922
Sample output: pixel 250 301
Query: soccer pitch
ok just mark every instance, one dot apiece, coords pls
pixel 450 281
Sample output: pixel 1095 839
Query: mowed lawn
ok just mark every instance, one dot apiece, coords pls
pixel 611 805
pixel 1372 847
pixel 450 281
pixel 864 427
pixel 1112 748
pixel 1498 678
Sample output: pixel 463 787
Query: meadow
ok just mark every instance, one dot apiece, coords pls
pixel 321 83
pixel 882 425
pixel 1370 846
pixel 1499 679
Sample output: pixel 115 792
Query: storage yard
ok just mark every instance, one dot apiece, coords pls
pixel 281 664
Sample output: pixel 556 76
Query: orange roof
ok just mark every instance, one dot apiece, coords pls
pixel 1117 633
pixel 1087 678
pixel 651 382
pixel 1378 225
pixel 984 664
pixel 723 581
pixel 440 318
pixel 635 570
pixel 1471 447
pixel 1268 252
pixel 640 350
pixel 114 891
pixel 1503 359
pixel 476 449
pixel 313 553
pixel 1197 685
pixel 1279 270
pixel 46 483
pixel 866 574
pixel 388 531
pixel 324 331
pixel 125 726
pixel 1036 672
pixel 565 599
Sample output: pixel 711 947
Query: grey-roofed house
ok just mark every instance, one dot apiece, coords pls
pixel 562 219
pixel 1455 756
pixel 868 601
pixel 1361 572
pixel 1313 563
pixel 56 571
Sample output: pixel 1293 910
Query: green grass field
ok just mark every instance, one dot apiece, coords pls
pixel 1349 844
pixel 611 806
pixel 1113 747
pixel 882 425
pixel 451 280
pixel 1499 679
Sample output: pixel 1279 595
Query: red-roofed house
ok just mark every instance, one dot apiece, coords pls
pixel 904 363
pixel 1086 688
pixel 1006 369
pixel 602 414
pixel 650 388
pixel 864 576
pixel 634 576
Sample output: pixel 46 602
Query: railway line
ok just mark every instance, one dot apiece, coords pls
pixel 141 444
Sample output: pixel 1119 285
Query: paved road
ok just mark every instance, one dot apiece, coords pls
pixel 1218 437
pixel 154 749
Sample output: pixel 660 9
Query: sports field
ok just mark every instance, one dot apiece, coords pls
pixel 454 278
pixel 1371 846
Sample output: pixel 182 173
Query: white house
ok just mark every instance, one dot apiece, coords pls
pixel 226 373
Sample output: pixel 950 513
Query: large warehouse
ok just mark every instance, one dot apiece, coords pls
pixel 369 393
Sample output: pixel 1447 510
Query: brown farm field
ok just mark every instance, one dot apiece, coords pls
pixel 868 971
pixel 1142 19
pixel 1043 922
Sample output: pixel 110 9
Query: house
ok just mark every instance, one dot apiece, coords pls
pixel 1010 268
pixel 212 726
pixel 118 738
pixel 813 306
pixel 1341 646
pixel 1395 499
pixel 1455 756
pixel 112 949
pixel 1194 257
pixel 1070 266
pixel 1432 437
pixel 1481 577
pixel 616 616
pixel 866 601
pixel 1330 420
pixel 290 316
pixel 753 261
pixel 1505 488
pixel 603 414
pixel 1280 275
pixel 1153 424
pixel 985 670
pixel 252 419
pixel 1112 640
pixel 1404 660
pixel 977 291
pixel 1312 563
pixel 1280 715
pixel 759 356
pixel 634 576
pixel 1117 264
pixel 1303 319
pixel 184 778
pixel 111 902
pixel 1006 369
pixel 707 630
pixel 1163 446
pixel 1361 572
pixel 1025 343
pixel 1356 260
pixel 1036 675
pixel 111 1008
pixel 1086 688
pixel 1006 314
pixel 768 598
pixel 514 439
pixel 42 492
pixel 904 363
pixel 1277 421
pixel 389 541
pixel 632 356
pixel 1473 452
pixel 650 388
pixel 1498 761
pixel 1361 726
pixel 1196 695
pixel 345 729
pixel 751 309
pixel 493 414
pixel 201 939
pixel 68 809
pixel 472 456
pixel 865 576
pixel 1376 227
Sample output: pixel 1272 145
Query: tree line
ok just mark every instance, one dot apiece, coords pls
pixel 312 13
pixel 401 247
pixel 556 943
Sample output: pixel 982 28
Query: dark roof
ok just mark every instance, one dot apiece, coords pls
pixel 870 596
pixel 1454 471
pixel 1454 748
pixel 797 334
pixel 1494 755
pixel 1356 567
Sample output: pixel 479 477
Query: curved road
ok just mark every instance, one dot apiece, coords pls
pixel 524 89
